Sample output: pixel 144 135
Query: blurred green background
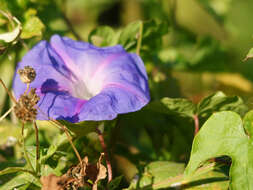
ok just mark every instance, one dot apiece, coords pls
pixel 191 49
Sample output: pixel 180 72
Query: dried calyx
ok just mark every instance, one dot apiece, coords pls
pixel 25 108
pixel 27 75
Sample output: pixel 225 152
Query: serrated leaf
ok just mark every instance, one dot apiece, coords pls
pixel 173 106
pixel 223 134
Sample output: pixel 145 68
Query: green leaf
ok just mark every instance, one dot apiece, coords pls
pixel 173 106
pixel 220 102
pixel 82 128
pixel 223 134
pixel 249 55
pixel 114 183
pixel 9 132
pixel 13 170
pixel 33 26
pixel 20 181
pixel 212 180
pixel 103 36
pixel 152 31
pixel 128 37
pixel 156 172
pixel 60 140
pixel 248 123
pixel 159 171
pixel 208 177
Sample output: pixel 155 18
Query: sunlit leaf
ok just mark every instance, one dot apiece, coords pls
pixel 13 170
pixel 248 123
pixel 19 181
pixel 249 55
pixel 223 134
pixel 32 27
pixel 103 36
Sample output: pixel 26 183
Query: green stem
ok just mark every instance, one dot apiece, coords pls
pixel 6 113
pixel 139 39
pixel 196 124
pixel 25 152
pixel 37 148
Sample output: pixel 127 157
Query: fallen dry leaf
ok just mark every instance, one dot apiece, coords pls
pixel 101 174
pixel 53 182
pixel 77 176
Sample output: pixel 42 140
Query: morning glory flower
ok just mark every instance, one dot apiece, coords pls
pixel 77 81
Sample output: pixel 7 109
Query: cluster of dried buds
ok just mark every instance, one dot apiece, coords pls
pixel 25 108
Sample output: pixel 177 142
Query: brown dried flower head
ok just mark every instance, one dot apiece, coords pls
pixel 25 109
pixel 27 75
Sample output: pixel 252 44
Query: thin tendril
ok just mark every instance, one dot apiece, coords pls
pixel 9 93
pixel 6 113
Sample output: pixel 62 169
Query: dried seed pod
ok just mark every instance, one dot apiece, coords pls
pixel 25 109
pixel 34 98
pixel 27 75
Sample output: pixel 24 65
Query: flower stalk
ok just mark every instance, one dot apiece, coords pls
pixel 139 39
pixel 196 124
pixel 104 147
pixel 37 147
pixel 24 149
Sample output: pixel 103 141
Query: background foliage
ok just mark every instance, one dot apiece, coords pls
pixel 193 51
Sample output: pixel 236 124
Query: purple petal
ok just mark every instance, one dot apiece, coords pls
pixel 78 81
